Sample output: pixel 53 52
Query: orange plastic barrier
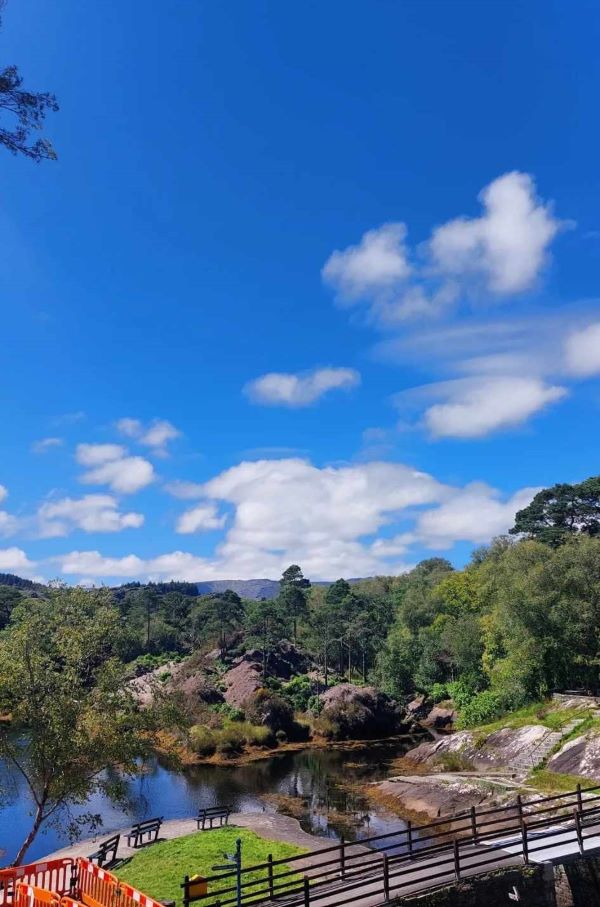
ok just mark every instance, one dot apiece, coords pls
pixel 53 875
pixel 32 896
pixel 67 883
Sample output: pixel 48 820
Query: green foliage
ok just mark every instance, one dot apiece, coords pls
pixel 483 707
pixel 299 691
pixel 72 717
pixel 561 511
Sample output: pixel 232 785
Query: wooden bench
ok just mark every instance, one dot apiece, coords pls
pixel 149 827
pixel 210 813
pixel 106 854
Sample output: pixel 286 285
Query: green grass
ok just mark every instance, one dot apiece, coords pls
pixel 159 870
pixel 556 783
pixel 545 712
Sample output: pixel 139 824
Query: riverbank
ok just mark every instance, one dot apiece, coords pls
pixel 187 758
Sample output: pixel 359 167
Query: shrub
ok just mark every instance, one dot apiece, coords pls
pixel 299 692
pixel 270 709
pixel 202 740
pixel 483 707
pixel 230 740
pixel 439 692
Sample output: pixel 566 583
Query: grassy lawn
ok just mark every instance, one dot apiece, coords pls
pixel 158 870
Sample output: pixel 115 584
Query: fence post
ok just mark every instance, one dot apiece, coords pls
pixel 386 877
pixel 409 836
pixel 577 817
pixel 270 873
pixel 185 886
pixel 456 859
pixel 579 799
pixel 525 842
pixel 306 892
pixel 474 824
pixel 342 858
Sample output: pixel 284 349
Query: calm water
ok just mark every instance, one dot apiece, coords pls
pixel 317 777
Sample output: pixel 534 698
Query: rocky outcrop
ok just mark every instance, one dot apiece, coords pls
pixel 580 756
pixel 440 717
pixel 352 713
pixel 505 749
pixel 435 796
pixel 242 680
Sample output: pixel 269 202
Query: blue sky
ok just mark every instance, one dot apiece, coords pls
pixel 311 283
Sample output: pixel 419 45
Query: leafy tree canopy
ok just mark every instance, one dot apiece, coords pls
pixel 563 510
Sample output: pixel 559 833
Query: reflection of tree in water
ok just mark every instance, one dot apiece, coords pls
pixel 317 780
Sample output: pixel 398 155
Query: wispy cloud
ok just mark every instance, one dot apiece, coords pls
pixel 300 389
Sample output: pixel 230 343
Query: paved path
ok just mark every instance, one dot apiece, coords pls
pixel 273 826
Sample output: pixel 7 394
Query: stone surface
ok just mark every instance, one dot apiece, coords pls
pixel 440 717
pixel 508 748
pixel 580 756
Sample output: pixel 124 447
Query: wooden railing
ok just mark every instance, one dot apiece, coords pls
pixel 413 858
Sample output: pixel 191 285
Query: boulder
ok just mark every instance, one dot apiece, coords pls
pixel 352 712
pixel 578 757
pixel 440 717
pixel 419 707
pixel 242 680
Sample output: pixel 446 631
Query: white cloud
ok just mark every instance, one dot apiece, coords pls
pixel 3 492
pixel 500 253
pixel 155 435
pixel 295 390
pixel 124 476
pixel 45 444
pixel 477 407
pixel 507 245
pixel 379 261
pixel 582 351
pixel 111 465
pixel 474 514
pixel 335 521
pixel 201 518
pixel 91 513
pixel 96 454
pixel 12 559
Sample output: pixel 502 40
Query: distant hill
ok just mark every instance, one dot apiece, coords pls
pixel 250 588
pixel 245 588
pixel 9 579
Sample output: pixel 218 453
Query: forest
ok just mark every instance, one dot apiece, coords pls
pixel 518 621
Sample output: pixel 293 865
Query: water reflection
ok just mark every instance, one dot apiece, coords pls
pixel 319 781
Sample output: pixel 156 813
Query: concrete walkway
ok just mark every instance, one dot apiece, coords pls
pixel 273 826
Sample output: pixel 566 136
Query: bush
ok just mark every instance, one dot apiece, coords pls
pixel 203 740
pixel 299 692
pixel 228 711
pixel 270 709
pixel 230 740
pixel 439 692
pixel 482 708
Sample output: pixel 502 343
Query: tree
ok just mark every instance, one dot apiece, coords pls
pixel 27 111
pixel 266 625
pixel 75 728
pixel 292 595
pixel 224 613
pixel 560 511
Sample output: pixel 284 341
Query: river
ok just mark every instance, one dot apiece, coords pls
pixel 319 777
